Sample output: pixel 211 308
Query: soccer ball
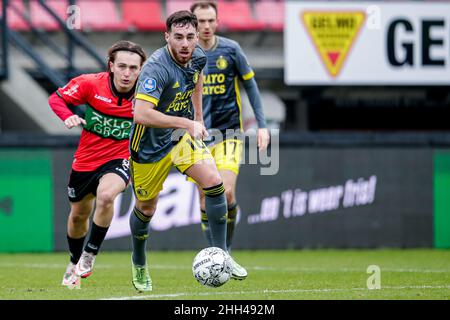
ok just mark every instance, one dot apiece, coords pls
pixel 212 267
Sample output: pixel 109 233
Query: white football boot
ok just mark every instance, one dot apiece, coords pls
pixel 239 272
pixel 85 265
pixel 70 279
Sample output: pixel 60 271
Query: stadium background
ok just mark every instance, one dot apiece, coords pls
pixel 362 164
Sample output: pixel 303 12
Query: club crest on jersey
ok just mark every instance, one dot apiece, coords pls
pixel 141 192
pixel 125 164
pixel 149 85
pixel 221 63
pixel 195 77
pixel 71 192
pixel 71 91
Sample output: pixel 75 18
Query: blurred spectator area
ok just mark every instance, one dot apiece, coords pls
pixel 256 24
pixel 146 15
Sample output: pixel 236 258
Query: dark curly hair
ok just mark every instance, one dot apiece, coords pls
pixel 181 18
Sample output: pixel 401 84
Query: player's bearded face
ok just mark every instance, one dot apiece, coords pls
pixel 182 40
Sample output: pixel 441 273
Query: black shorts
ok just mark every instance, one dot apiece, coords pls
pixel 81 183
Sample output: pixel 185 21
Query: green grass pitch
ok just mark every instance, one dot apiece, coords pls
pixel 285 275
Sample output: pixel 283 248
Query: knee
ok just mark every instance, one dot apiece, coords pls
pixel 213 180
pixel 229 194
pixel 105 199
pixel 78 218
pixel 147 209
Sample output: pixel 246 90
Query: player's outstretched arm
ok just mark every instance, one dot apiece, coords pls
pixel 61 109
pixel 263 138
pixel 198 131
pixel 255 101
pixel 197 99
pixel 146 115
pixel 74 121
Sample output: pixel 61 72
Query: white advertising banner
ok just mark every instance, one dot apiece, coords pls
pixel 367 43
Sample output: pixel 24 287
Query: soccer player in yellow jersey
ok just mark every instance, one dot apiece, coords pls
pixel 168 130
pixel 222 110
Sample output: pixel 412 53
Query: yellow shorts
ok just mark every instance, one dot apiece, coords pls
pixel 227 155
pixel 148 178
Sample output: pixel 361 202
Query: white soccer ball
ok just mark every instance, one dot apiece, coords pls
pixel 212 267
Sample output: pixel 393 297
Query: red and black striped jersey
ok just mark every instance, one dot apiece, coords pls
pixel 109 118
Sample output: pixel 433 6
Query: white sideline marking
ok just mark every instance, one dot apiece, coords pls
pixel 181 294
pixel 256 268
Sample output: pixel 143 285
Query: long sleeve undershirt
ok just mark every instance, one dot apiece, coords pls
pixel 255 101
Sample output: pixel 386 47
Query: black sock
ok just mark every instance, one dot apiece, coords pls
pixel 96 238
pixel 205 227
pixel 139 226
pixel 216 210
pixel 75 248
pixel 231 223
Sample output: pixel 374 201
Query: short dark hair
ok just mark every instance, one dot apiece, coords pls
pixel 124 45
pixel 204 4
pixel 183 18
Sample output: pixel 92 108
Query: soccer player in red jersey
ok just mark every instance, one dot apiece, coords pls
pixel 100 168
